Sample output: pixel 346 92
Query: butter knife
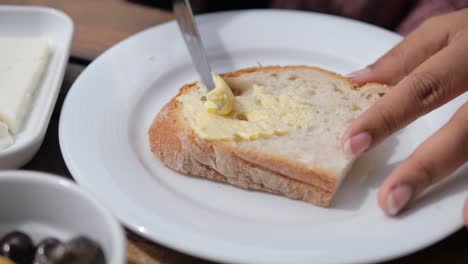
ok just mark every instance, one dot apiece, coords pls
pixel 191 35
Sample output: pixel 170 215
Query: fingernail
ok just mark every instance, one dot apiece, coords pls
pixel 359 73
pixel 398 198
pixel 358 144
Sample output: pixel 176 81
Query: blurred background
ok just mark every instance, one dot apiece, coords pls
pixel 99 24
pixel 401 16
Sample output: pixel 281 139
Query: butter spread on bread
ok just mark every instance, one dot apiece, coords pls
pixel 283 135
pixel 255 114
pixel 221 99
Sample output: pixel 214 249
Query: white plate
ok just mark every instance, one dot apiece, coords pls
pixel 57 28
pixel 103 136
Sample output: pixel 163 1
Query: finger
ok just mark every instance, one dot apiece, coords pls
pixel 438 80
pixel 434 160
pixel 422 43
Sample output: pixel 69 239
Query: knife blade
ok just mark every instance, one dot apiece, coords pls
pixel 191 36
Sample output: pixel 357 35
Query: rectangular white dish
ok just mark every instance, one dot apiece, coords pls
pixel 57 28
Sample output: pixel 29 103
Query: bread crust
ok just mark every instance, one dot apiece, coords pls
pixel 179 148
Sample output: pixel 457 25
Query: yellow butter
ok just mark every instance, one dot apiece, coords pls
pixel 254 114
pixel 221 99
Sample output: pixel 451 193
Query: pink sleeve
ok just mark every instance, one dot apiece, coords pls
pixel 425 9
pixel 401 16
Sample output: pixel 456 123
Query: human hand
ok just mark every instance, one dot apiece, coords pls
pixel 428 68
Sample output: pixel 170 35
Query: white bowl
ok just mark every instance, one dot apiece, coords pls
pixel 43 205
pixel 57 29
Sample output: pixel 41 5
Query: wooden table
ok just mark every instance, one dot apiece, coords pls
pixel 98 25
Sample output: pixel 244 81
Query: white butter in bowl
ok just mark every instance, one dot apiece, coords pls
pixel 22 64
pixel 5 138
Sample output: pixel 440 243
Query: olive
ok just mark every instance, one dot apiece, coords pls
pixel 80 250
pixel 100 258
pixel 18 247
pixel 44 249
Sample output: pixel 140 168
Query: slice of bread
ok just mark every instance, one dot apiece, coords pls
pixel 306 164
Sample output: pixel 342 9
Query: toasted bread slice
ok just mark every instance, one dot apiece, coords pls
pixel 306 164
